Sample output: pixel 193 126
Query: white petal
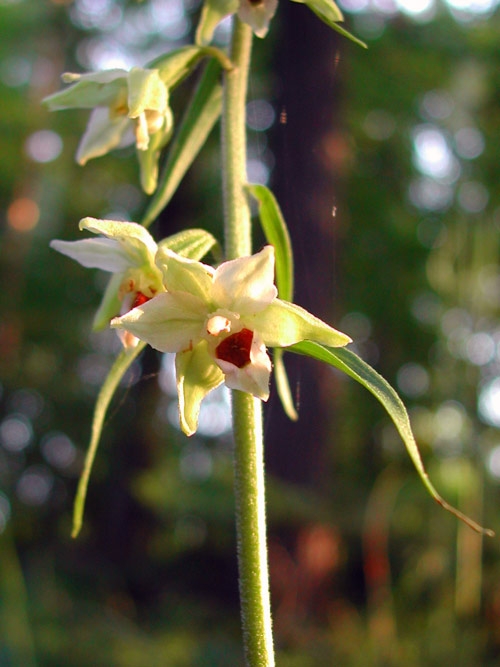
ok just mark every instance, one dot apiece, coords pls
pixel 136 241
pixel 105 254
pixel 105 76
pixel 258 15
pixel 246 285
pixel 168 322
pixel 102 135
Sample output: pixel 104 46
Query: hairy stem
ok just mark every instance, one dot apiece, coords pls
pixel 247 410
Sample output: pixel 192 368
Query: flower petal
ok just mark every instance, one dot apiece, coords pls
pixel 246 285
pixel 283 323
pixel 135 239
pixel 257 15
pixel 197 375
pixel 145 91
pixel 181 274
pixel 102 135
pixel 94 89
pixel 254 376
pixel 168 322
pixel 105 254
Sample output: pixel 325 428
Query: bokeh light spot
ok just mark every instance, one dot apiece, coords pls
pixel 15 433
pixel 44 146
pixel 23 214
pixel 34 486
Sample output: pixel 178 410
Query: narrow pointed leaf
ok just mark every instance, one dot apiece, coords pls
pixel 276 232
pixel 118 370
pixel 359 370
pixel 110 303
pixel 330 14
pixel 199 119
pixel 283 385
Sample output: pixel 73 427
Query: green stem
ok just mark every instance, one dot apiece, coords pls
pixel 237 229
pixel 247 410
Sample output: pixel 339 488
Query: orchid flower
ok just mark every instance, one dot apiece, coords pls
pixel 125 249
pixel 218 322
pixel 128 107
pixel 258 14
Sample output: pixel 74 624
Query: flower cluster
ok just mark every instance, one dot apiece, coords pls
pixel 219 322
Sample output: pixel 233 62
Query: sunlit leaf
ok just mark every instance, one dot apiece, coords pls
pixel 276 232
pixel 283 385
pixel 329 13
pixel 199 119
pixel 118 370
pixel 192 243
pixel 348 362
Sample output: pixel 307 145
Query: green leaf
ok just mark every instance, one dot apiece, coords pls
pixel 118 370
pixel 276 232
pixel 352 365
pixel 330 14
pixel 199 119
pixel 192 243
pixel 283 385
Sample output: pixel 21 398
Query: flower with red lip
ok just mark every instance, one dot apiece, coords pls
pixel 218 322
pixel 127 251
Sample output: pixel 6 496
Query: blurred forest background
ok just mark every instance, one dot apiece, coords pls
pixel 385 163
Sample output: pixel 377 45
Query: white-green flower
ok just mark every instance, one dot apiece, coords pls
pixel 125 249
pixel 257 14
pixel 128 107
pixel 219 322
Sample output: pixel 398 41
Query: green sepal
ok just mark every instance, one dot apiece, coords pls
pixel 212 13
pixel 184 275
pixel 276 232
pixel 330 14
pixel 192 243
pixel 110 304
pixel 118 370
pixel 176 65
pixel 359 370
pixel 282 324
pixel 194 128
pixel 87 91
pixel 197 375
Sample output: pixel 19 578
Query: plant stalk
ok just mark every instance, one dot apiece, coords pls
pixel 247 410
